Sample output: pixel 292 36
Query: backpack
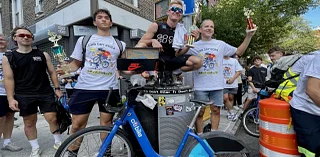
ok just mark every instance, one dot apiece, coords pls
pixel 85 41
pixel 63 118
pixel 279 68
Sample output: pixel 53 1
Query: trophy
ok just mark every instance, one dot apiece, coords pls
pixel 59 54
pixel 197 12
pixel 248 12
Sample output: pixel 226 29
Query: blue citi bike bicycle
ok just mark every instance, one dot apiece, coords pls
pixel 112 141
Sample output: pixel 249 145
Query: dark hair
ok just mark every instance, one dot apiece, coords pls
pixel 14 31
pixel 276 48
pixel 256 57
pixel 106 11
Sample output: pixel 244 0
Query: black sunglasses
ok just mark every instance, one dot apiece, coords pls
pixel 176 9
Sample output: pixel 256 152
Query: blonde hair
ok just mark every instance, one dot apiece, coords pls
pixel 204 21
pixel 179 2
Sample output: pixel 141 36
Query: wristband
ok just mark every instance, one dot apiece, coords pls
pixel 57 88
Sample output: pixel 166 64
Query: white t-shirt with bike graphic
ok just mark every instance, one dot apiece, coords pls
pixel 210 75
pixel 230 67
pixel 99 71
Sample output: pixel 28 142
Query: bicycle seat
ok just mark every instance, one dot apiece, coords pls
pixel 202 102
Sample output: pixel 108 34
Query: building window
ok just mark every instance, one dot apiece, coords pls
pixel 132 2
pixel 17 12
pixel 38 8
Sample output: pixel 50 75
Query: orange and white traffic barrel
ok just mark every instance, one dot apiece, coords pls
pixel 277 137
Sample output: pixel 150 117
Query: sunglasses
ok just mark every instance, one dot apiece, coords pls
pixel 24 35
pixel 176 9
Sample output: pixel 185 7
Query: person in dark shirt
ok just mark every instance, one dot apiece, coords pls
pixel 160 35
pixel 256 77
pixel 28 87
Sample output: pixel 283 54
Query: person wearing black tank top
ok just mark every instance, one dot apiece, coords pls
pixel 160 35
pixel 28 87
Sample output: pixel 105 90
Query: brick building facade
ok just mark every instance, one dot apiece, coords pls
pixel 72 19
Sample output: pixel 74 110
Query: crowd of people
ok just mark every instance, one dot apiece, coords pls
pixel 25 85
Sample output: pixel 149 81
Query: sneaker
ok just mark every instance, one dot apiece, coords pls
pixel 11 147
pixel 151 80
pixel 57 145
pixel 232 117
pixel 175 80
pixel 36 153
pixel 236 107
pixel 241 106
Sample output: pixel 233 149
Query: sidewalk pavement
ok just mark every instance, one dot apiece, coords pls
pixel 46 141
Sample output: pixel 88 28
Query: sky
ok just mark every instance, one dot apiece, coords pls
pixel 313 15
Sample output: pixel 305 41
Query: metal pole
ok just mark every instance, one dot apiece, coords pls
pixel 187 76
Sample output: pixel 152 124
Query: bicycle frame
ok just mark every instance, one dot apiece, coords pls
pixel 130 116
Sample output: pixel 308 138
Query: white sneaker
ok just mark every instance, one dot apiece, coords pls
pixel 241 106
pixel 232 117
pixel 236 107
pixel 36 153
pixel 57 145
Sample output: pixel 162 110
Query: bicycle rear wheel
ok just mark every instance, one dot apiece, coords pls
pixel 223 144
pixel 89 140
pixel 250 121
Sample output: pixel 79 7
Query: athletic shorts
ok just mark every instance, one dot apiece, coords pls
pixel 230 91
pixel 28 104
pixel 82 101
pixel 4 106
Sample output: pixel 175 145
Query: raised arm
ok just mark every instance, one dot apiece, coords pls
pixel 242 48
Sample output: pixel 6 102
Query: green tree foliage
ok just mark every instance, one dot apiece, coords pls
pixel 302 38
pixel 271 17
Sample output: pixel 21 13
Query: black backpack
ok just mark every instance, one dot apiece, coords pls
pixel 63 118
pixel 85 41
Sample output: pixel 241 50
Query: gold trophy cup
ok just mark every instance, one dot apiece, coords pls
pixel 197 11
pixel 248 13
pixel 59 54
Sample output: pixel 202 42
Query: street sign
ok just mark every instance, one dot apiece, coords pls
pixel 189 6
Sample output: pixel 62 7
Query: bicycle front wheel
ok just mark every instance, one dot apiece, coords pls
pixel 88 141
pixel 221 143
pixel 250 121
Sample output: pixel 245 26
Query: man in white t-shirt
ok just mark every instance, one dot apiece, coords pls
pixel 208 80
pixel 6 114
pixel 97 76
pixel 231 71
pixel 305 109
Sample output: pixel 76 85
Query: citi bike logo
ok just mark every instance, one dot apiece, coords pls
pixel 136 127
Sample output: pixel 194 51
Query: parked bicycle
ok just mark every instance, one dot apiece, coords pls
pixel 112 141
pixel 250 117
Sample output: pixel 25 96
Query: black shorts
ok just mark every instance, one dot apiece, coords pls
pixel 307 128
pixel 4 106
pixel 82 101
pixel 28 104
pixel 176 63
